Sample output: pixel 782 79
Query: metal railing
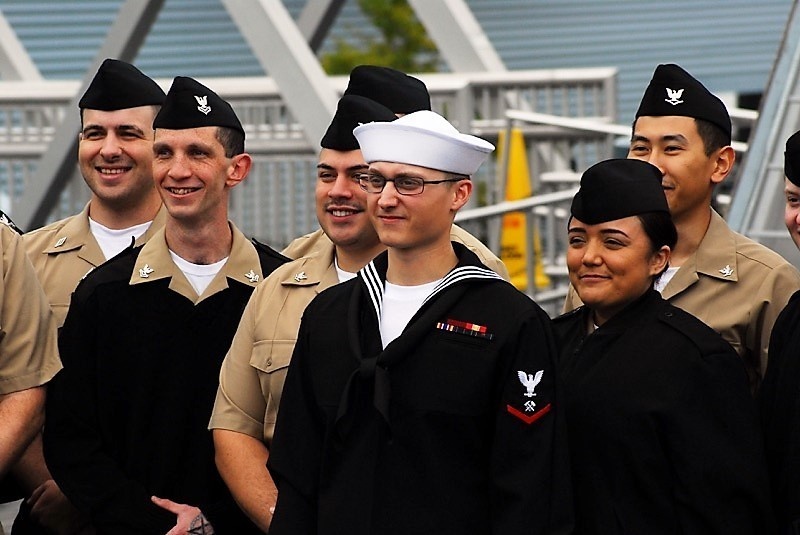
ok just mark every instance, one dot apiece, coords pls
pixel 275 204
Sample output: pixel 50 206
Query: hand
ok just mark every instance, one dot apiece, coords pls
pixel 52 510
pixel 190 519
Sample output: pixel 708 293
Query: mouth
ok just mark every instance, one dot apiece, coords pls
pixel 343 211
pixel 592 277
pixel 182 191
pixel 111 171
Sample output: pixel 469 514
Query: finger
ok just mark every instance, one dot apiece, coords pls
pixel 164 503
pixel 36 494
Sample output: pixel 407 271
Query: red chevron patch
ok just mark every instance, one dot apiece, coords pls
pixel 528 418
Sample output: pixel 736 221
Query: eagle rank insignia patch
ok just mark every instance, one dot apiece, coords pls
pixel 527 411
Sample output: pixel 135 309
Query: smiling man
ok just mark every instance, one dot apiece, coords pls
pixel 733 284
pixel 126 435
pixel 254 370
pixel 115 157
pixel 421 395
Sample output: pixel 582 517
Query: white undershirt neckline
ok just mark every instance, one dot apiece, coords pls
pixel 114 241
pixel 399 305
pixel 198 275
pixel 662 282
pixel 341 274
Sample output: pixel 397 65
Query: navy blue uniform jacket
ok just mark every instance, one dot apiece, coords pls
pixel 663 432
pixel 127 417
pixel 436 434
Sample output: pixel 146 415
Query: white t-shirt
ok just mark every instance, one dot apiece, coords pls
pixel 341 274
pixel 400 303
pixel 665 278
pixel 199 275
pixel 111 241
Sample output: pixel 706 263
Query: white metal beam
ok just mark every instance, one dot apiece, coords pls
pixel 15 63
pixel 57 166
pixel 316 20
pixel 458 35
pixel 285 55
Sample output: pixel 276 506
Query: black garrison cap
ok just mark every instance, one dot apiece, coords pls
pixel 190 104
pixel 614 189
pixel 791 162
pixel 673 91
pixel 118 85
pixel 396 90
pixel 353 110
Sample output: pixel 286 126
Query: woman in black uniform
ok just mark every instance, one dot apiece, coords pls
pixel 662 428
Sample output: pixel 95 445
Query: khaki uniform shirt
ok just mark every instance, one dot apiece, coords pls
pixel 28 346
pixel 252 375
pixel 63 253
pixel 736 286
pixel 155 263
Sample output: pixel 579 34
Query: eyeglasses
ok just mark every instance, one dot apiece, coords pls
pixel 405 185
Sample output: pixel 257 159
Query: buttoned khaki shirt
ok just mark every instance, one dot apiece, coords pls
pixel 736 286
pixel 63 253
pixel 254 370
pixel 28 346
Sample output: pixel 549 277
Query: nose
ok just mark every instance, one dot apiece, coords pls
pixel 388 197
pixel 111 148
pixel 178 168
pixel 342 187
pixel 655 159
pixel 591 255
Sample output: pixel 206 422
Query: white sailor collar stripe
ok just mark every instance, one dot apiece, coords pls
pixel 375 284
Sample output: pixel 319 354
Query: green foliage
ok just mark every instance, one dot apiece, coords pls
pixel 402 44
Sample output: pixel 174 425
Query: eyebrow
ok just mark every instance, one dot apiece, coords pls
pixel 351 168
pixel 606 232
pixel 118 128
pixel 680 138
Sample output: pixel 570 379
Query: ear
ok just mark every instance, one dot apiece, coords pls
pixel 461 194
pixel 723 164
pixel 238 169
pixel 659 260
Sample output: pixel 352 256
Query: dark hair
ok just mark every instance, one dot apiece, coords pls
pixel 660 231
pixel 712 135
pixel 231 140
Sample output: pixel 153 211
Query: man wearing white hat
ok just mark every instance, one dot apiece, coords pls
pixel 421 395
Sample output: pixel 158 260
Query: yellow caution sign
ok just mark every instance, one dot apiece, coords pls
pixel 514 240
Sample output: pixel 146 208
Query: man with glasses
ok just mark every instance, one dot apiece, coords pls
pixel 252 375
pixel 421 396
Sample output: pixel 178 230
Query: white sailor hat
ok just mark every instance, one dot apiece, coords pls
pixel 422 138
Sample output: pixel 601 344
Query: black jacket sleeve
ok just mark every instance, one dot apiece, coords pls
pixel 75 451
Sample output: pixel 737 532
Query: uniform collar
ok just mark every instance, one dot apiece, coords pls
pixel 716 255
pixel 74 235
pixel 316 268
pixel 77 233
pixel 155 263
pixel 373 275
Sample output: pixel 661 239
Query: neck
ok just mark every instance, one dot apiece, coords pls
pixel 117 218
pixel 412 267
pixel 352 259
pixel 204 246
pixel 691 230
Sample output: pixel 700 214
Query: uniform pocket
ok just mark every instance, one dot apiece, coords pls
pixel 271 358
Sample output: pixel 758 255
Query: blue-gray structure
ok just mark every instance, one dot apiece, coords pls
pixel 729 44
